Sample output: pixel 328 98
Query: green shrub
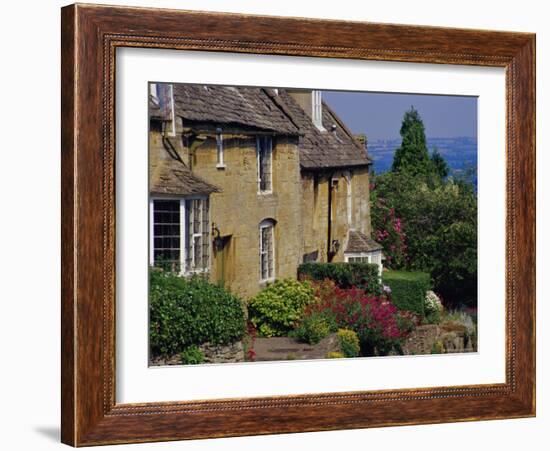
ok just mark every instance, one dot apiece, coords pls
pixel 437 347
pixel 345 275
pixel 335 355
pixel 185 312
pixel 312 329
pixel 192 355
pixel 349 342
pixel 408 289
pixel 277 309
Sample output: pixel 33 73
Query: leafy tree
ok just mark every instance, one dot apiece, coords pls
pixel 440 166
pixel 426 220
pixel 412 156
pixel 455 263
pixel 438 221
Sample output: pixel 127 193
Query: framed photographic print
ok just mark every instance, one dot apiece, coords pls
pixel 279 225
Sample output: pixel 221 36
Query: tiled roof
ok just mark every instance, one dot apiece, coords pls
pixel 253 109
pixel 249 107
pixel 359 242
pixel 168 175
pixel 334 147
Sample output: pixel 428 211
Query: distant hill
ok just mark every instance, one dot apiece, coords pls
pixel 460 154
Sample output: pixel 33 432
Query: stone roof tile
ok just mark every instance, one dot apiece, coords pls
pixel 334 147
pixel 170 176
pixel 249 107
pixel 359 242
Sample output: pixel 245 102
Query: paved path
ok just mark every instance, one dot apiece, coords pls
pixel 285 348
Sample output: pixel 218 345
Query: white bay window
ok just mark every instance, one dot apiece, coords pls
pixel 180 234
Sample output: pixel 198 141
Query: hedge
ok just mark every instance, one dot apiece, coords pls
pixel 408 289
pixel 345 275
pixel 185 312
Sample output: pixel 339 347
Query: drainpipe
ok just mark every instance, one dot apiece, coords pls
pixel 330 254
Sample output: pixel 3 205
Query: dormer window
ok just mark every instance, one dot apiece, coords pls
pixel 317 110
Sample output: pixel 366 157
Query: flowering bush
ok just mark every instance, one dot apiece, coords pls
pixel 389 233
pixel 373 318
pixel 432 303
pixel 432 307
pixel 248 342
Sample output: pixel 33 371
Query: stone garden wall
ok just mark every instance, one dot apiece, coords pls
pixel 432 339
pixel 212 354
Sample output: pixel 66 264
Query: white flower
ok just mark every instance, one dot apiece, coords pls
pixel 432 303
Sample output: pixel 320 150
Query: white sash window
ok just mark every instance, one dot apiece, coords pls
pixel 267 251
pixel 264 154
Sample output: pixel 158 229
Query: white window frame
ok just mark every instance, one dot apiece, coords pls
pixel 152 229
pixel 268 139
pixel 267 224
pixel 183 233
pixel 220 163
pixel 368 255
pixel 317 110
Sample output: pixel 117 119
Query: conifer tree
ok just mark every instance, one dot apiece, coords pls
pixel 412 156
pixel 440 166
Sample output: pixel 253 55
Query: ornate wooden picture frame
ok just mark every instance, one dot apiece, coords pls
pixel 90 37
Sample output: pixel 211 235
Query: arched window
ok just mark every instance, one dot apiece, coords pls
pixel 267 250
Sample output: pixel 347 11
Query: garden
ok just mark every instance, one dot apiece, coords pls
pixel 332 310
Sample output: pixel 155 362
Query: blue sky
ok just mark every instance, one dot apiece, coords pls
pixel 379 115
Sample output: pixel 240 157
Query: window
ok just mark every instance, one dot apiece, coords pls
pixel 219 149
pixel 166 234
pixel 267 250
pixel 197 242
pixel 360 259
pixel 264 151
pixel 180 234
pixel 317 110
pixel 373 257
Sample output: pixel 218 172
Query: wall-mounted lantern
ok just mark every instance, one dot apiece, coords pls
pixel 217 238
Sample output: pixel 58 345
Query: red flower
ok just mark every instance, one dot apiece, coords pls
pixel 251 355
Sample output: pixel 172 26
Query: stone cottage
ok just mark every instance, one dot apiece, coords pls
pixel 247 183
